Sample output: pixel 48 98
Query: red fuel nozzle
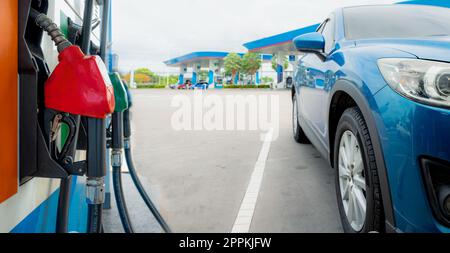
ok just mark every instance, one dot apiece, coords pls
pixel 80 85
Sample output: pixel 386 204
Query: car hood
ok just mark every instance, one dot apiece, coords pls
pixel 430 48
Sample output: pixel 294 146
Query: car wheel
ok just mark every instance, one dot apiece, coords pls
pixel 357 184
pixel 299 135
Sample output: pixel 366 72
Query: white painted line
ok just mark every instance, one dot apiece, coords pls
pixel 247 209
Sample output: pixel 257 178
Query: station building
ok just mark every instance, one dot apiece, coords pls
pixel 191 64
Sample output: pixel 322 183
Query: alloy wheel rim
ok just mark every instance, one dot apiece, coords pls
pixel 352 180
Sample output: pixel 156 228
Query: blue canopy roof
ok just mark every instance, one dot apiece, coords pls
pixel 195 56
pixel 441 3
pixel 279 38
pixel 202 56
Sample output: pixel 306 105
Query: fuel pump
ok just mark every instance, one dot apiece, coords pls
pixel 79 86
pixel 80 94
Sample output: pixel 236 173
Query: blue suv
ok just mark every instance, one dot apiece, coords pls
pixel 372 93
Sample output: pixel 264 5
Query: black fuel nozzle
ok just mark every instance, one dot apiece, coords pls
pixel 127 116
pixel 96 162
pixel 116 133
pixel 117 138
pixel 126 124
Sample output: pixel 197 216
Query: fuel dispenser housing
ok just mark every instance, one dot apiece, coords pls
pixel 33 72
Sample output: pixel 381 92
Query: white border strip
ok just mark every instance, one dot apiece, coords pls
pixel 247 209
pixel 29 197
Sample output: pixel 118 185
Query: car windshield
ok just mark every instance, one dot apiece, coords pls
pixel 396 21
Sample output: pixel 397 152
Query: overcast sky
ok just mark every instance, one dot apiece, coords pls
pixel 146 33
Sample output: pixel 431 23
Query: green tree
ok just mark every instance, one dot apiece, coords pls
pixel 232 64
pixel 173 79
pixel 285 63
pixel 141 78
pixel 251 63
pixel 145 75
pixel 144 71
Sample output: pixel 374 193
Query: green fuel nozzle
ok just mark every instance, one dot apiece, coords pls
pixel 120 94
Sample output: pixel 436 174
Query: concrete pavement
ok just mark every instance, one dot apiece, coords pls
pixel 199 178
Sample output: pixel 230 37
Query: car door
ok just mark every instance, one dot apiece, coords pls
pixel 315 75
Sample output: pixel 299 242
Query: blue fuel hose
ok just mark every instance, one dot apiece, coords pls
pixel 142 192
pixel 120 200
pixel 129 160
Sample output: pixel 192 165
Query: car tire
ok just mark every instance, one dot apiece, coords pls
pixel 299 135
pixel 356 175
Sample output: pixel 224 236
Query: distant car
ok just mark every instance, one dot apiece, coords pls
pixel 202 85
pixel 174 86
pixel 182 86
pixel 186 85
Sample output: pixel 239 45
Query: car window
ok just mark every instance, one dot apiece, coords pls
pixel 328 34
pixel 396 21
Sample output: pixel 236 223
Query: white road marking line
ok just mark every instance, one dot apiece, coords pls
pixel 247 209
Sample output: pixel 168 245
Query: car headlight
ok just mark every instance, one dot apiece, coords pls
pixel 421 80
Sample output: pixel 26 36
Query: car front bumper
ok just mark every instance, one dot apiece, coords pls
pixel 409 131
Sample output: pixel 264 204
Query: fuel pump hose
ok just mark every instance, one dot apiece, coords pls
pixel 94 218
pixel 120 200
pixel 141 190
pixel 116 162
pixel 47 24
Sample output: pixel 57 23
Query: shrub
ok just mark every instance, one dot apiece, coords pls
pixel 262 86
pixel 151 86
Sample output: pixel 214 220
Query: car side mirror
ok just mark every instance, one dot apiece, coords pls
pixel 310 42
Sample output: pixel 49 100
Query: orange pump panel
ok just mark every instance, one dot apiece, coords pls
pixel 8 98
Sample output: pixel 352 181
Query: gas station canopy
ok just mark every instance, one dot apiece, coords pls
pixel 200 58
pixel 280 43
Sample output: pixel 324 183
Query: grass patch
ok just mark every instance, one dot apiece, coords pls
pixel 262 86
pixel 151 86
